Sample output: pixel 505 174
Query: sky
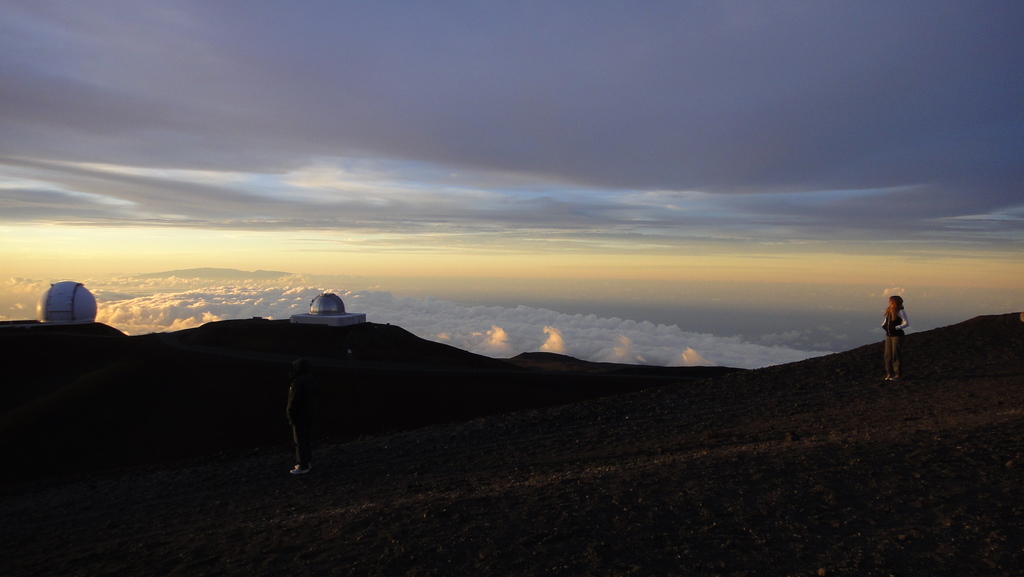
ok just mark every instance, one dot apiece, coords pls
pixel 735 169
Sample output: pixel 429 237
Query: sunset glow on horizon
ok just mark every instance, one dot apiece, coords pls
pixel 657 160
pixel 43 251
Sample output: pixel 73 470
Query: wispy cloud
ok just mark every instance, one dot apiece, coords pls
pixel 555 343
pixel 346 195
pixel 748 120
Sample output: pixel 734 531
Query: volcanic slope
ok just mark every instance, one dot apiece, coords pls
pixel 813 468
pixel 79 399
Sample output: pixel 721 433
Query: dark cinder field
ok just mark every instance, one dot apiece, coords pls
pixel 168 455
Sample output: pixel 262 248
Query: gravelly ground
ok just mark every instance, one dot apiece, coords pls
pixel 813 468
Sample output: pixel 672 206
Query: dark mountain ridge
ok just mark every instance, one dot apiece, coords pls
pixel 812 468
pixel 221 387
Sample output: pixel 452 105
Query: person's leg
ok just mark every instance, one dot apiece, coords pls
pixel 888 357
pixel 897 354
pixel 303 446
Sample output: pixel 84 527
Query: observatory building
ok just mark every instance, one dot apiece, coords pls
pixel 66 302
pixel 328 309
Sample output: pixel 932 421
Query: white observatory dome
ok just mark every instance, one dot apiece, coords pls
pixel 66 302
pixel 328 309
pixel 327 304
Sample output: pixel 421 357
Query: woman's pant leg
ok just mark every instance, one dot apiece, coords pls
pixel 303 435
pixel 893 352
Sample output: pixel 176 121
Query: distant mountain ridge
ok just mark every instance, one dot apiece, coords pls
pixel 211 273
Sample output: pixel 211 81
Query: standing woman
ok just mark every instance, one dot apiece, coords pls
pixel 894 324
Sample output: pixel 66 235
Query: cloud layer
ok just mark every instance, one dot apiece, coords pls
pixel 139 306
pixel 751 120
pixel 728 329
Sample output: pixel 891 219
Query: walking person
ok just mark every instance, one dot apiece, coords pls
pixel 301 410
pixel 894 323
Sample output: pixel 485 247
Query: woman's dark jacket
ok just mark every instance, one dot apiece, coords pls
pixel 301 396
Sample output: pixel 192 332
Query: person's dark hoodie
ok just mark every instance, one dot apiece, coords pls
pixel 301 394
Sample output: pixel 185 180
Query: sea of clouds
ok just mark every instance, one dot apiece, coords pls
pixel 144 305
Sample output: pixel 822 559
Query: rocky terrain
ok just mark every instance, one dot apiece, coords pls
pixel 812 468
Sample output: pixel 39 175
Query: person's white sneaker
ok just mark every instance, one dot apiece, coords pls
pixel 298 470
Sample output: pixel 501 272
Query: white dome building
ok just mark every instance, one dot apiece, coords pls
pixel 328 309
pixel 66 302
